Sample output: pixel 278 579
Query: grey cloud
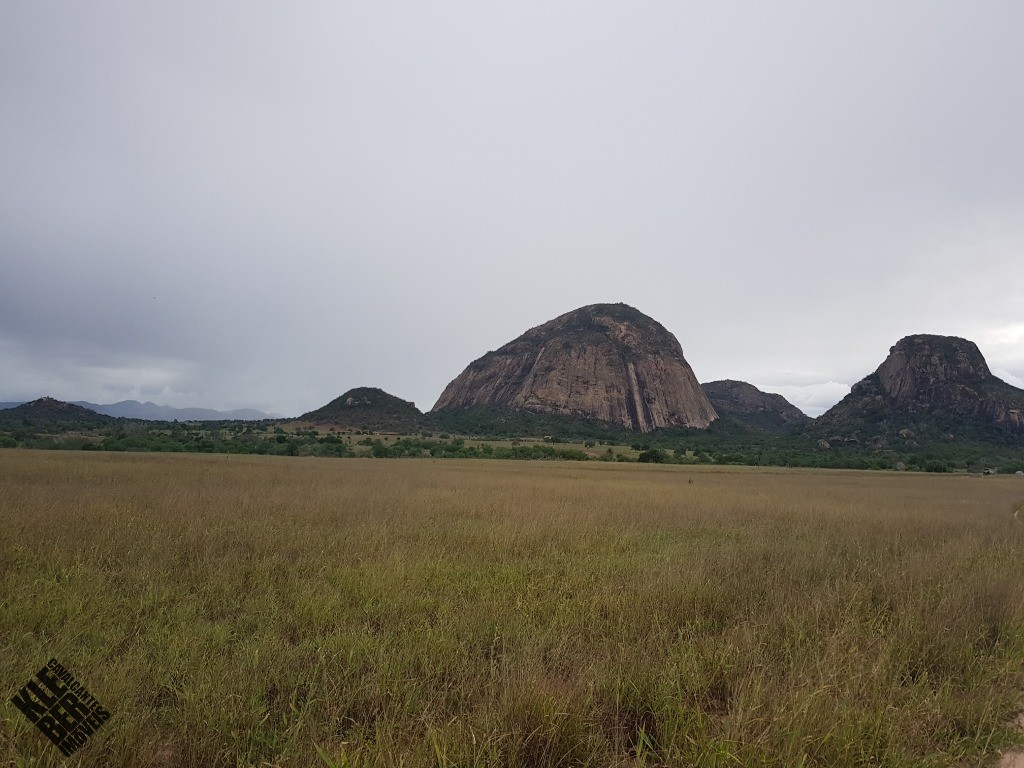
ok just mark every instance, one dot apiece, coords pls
pixel 272 203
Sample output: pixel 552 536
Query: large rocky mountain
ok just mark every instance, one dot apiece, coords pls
pixel 748 405
pixel 368 408
pixel 608 362
pixel 930 386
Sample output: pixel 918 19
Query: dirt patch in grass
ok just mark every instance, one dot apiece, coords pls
pixel 1014 758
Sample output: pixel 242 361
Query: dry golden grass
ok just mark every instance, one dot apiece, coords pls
pixel 258 611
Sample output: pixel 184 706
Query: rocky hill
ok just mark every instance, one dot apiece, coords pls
pixel 607 362
pixel 48 411
pixel 753 408
pixel 368 408
pixel 929 387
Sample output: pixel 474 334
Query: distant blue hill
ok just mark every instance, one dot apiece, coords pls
pixel 133 409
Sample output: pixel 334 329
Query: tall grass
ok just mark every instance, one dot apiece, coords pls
pixel 255 611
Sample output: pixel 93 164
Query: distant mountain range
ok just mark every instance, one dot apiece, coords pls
pixel 613 365
pixel 610 366
pixel 133 409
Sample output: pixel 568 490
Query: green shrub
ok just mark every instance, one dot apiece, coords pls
pixel 652 456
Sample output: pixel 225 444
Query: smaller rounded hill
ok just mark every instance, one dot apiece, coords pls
pixel 368 408
pixel 50 411
pixel 761 411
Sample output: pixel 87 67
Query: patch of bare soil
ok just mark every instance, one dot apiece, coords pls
pixel 1014 759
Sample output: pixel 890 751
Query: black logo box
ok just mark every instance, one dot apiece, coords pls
pixel 60 707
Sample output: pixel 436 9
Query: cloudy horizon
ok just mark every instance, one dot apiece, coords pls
pixel 251 205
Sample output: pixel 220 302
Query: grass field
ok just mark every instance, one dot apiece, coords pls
pixel 267 611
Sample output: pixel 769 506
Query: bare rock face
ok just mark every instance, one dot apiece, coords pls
pixel 604 361
pixel 940 383
pixel 931 369
pixel 749 405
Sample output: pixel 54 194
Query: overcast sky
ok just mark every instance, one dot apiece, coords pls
pixel 264 204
